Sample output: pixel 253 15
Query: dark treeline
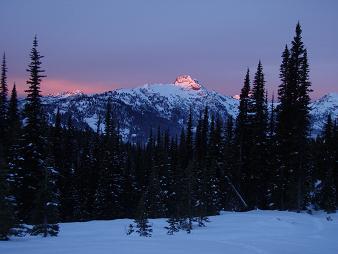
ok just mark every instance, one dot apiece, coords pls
pixel 57 173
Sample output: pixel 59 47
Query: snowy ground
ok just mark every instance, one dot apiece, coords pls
pixel 250 232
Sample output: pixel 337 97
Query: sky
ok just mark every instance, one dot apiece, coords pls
pixel 102 45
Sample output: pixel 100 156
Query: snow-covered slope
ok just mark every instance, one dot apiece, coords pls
pixel 164 105
pixel 263 232
pixel 321 108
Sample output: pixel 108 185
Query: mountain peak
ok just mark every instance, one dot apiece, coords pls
pixel 185 81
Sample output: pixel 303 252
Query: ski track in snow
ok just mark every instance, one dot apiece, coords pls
pixel 256 232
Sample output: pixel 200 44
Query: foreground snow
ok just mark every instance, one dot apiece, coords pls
pixel 250 232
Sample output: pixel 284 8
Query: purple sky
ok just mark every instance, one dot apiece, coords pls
pixel 101 45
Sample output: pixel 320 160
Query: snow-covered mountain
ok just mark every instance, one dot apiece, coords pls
pixel 66 94
pixel 321 108
pixel 165 105
pixel 142 108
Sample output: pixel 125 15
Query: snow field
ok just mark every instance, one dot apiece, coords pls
pixel 232 233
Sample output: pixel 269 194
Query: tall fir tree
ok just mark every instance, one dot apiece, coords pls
pixel 3 111
pixel 7 203
pixel 229 200
pixel 243 137
pixel 38 204
pixel 13 116
pixel 329 192
pixel 293 125
pixel 3 100
pixel 283 125
pixel 6 207
pixel 272 185
pixel 257 164
pixel 213 162
pixel 198 174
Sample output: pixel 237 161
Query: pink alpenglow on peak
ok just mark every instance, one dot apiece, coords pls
pixel 185 81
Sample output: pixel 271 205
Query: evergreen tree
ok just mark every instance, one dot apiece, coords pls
pixel 283 125
pixel 3 100
pixel 204 133
pixel 173 225
pixel 329 191
pixel 183 185
pixel 108 119
pixel 213 161
pixel 13 122
pixel 273 183
pixel 85 204
pixel 7 203
pixel 143 228
pixel 189 140
pixel 229 200
pixel 188 197
pixel 38 203
pixel 155 205
pixel 243 137
pixel 162 166
pixel 198 176
pixel 257 161
pixel 152 189
pixel 129 195
pixel 175 175
pixel 66 157
pixel 241 121
pixel 198 140
pixel 45 213
pixel 272 120
pixel 3 124
pixel 293 125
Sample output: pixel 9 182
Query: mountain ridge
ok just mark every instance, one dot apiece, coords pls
pixel 161 105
